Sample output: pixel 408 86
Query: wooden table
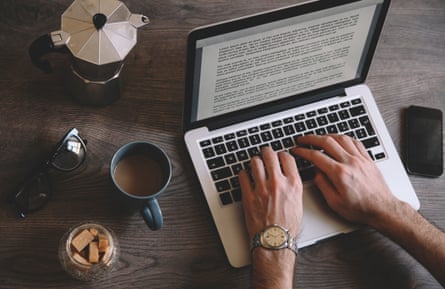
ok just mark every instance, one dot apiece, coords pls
pixel 35 112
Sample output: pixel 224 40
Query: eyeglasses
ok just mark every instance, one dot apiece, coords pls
pixel 35 192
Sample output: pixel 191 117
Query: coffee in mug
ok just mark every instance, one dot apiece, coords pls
pixel 139 175
pixel 140 172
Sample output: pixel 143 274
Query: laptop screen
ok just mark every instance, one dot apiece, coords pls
pixel 287 57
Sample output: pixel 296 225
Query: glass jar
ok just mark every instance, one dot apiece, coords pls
pixel 88 251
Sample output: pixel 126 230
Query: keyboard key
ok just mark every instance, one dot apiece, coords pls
pixel 333 117
pixel 310 123
pixel 311 114
pixel 230 159
pixel 276 145
pixel 343 126
pixel 289 130
pixel 288 120
pixel 358 110
pixel 354 123
pixel 208 152
pixel 364 120
pixel 333 107
pixel 204 143
pixel 322 120
pixel 221 174
pixel 332 129
pixel 356 101
pixel 255 139
pixel 371 142
pixel 266 136
pixel 220 149
pixel 236 169
pixel 360 133
pixel 237 195
pixel 222 186
pixel 380 156
pixel 277 133
pixel 229 136
pixel 322 110
pixel 217 139
pixel 299 127
pixel 265 126
pixel 254 151
pixel 254 129
pixel 232 146
pixel 321 131
pixel 225 198
pixel 246 166
pixel 241 133
pixel 243 142
pixel 277 123
pixel 242 155
pixel 345 104
pixel 215 163
pixel 234 182
pixel 344 114
pixel 299 117
pixel 288 142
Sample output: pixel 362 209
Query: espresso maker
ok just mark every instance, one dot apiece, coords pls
pixel 98 34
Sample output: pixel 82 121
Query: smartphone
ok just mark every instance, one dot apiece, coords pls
pixel 423 136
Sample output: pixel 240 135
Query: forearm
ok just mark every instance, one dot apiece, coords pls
pixel 420 238
pixel 273 269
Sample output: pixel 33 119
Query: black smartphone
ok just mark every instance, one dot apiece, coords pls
pixel 423 136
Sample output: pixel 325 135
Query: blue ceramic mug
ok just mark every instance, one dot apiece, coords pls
pixel 140 172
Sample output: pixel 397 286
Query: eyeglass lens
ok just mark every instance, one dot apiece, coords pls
pixel 69 155
pixel 34 194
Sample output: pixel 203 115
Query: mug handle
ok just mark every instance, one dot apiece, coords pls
pixel 152 214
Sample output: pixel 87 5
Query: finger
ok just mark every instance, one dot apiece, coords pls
pixel 326 187
pixel 257 169
pixel 271 161
pixel 288 164
pixel 328 143
pixel 323 162
pixel 347 143
pixel 361 148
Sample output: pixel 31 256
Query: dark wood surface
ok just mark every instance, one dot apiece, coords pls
pixel 35 111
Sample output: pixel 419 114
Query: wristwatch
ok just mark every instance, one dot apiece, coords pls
pixel 275 237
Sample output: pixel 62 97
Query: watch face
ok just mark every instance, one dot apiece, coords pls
pixel 274 237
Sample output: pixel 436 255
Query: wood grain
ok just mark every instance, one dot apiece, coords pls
pixel 35 111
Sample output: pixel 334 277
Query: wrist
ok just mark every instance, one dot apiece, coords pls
pixel 273 268
pixel 385 220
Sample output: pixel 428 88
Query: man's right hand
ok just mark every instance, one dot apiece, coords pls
pixel 348 178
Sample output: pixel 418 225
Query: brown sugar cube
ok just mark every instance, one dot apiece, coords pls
pixel 82 240
pixel 93 253
pixel 80 259
pixel 94 231
pixel 103 243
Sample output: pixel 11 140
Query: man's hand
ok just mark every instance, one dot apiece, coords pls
pixel 275 196
pixel 349 180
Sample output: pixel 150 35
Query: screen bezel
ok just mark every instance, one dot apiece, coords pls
pixel 415 165
pixel 270 107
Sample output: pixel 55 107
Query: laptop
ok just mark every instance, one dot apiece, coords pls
pixel 268 78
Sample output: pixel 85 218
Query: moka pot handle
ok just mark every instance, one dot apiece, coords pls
pixel 51 42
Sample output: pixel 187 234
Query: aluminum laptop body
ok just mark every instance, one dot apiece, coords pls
pixel 269 75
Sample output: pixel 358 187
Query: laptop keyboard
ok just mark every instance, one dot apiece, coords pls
pixel 226 155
